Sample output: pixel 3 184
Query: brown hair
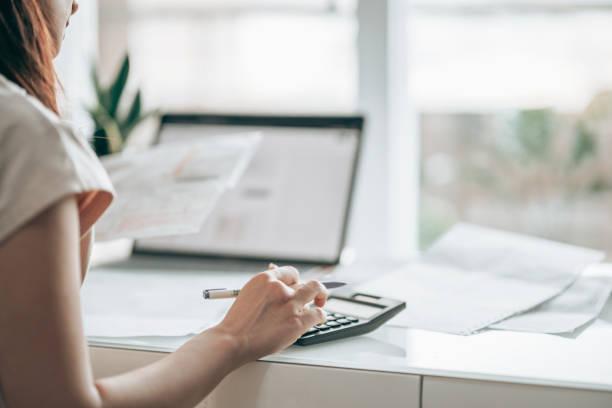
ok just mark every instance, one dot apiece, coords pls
pixel 27 49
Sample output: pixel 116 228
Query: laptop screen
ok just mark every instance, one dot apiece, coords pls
pixel 292 202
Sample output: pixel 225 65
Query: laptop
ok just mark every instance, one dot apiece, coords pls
pixel 292 205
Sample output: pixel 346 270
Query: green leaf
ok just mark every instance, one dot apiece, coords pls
pixel 109 126
pixel 134 113
pixel 599 186
pixel 113 134
pixel 95 116
pixel 585 145
pixel 114 128
pixel 534 132
pixel 118 86
pixel 127 130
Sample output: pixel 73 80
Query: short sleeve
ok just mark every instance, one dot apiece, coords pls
pixel 41 162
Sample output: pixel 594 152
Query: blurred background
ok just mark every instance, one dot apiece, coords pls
pixel 495 112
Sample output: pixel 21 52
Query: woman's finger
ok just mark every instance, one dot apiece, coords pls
pixel 313 316
pixel 286 274
pixel 312 290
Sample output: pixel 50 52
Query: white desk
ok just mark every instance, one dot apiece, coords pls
pixel 397 367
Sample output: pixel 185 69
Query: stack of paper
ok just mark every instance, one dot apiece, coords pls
pixel 172 188
pixel 578 305
pixel 475 277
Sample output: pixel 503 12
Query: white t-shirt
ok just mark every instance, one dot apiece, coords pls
pixel 43 160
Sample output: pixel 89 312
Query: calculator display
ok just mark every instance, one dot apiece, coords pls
pixel 352 308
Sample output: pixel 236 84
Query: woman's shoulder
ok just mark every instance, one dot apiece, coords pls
pixel 22 114
pixel 30 133
pixel 27 127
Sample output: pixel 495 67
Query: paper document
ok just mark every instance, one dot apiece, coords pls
pixel 578 305
pixel 171 189
pixel 474 277
pixel 135 302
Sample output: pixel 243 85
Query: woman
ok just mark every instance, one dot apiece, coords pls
pixel 52 191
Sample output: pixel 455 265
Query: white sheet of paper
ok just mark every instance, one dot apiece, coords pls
pixel 578 305
pixel 171 189
pixel 138 302
pixel 475 277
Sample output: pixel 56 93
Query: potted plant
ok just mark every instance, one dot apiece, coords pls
pixel 113 117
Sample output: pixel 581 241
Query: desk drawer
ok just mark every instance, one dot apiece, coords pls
pixel 441 392
pixel 275 385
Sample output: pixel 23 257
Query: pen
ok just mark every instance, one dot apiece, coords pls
pixel 232 293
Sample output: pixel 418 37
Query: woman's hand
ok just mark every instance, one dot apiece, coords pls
pixel 272 311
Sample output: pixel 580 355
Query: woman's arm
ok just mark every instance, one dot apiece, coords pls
pixel 44 359
pixel 85 253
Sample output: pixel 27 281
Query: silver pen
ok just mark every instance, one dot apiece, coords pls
pixel 212 294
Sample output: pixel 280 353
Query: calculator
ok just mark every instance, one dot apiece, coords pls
pixel 351 315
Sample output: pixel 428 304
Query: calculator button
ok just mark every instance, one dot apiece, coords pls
pixel 311 331
pixel 331 318
pixel 338 316
pixel 343 321
pixel 333 324
pixel 352 319
pixel 322 327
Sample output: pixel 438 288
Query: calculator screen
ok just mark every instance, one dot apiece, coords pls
pixel 351 308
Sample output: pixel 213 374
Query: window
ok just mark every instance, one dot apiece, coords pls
pixel 241 55
pixel 515 116
pixel 74 65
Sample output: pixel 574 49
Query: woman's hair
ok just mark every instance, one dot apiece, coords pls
pixel 27 49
